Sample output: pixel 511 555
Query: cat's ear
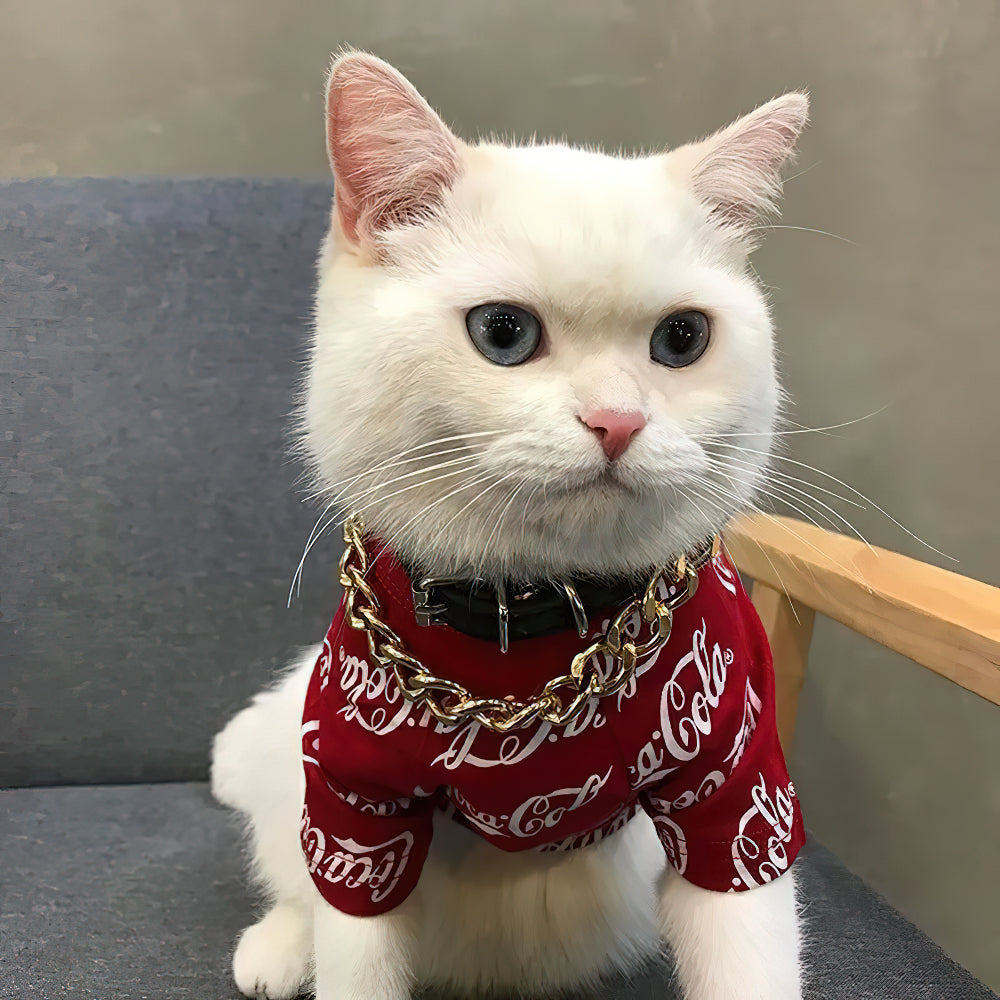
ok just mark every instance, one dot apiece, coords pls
pixel 736 173
pixel 392 156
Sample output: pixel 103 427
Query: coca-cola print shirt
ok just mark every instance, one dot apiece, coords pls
pixel 691 740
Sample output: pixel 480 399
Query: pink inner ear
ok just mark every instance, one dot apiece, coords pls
pixel 392 157
pixel 740 172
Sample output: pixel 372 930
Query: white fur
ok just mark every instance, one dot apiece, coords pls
pixel 733 946
pixel 600 248
pixel 468 467
pixel 272 957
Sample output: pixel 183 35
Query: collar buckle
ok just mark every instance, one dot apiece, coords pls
pixel 424 612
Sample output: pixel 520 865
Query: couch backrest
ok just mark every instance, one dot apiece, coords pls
pixel 151 337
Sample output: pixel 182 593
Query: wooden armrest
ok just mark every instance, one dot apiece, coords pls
pixel 946 622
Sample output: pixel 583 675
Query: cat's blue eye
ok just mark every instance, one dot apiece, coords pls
pixel 680 339
pixel 502 333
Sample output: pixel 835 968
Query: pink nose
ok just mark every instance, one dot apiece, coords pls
pixel 614 430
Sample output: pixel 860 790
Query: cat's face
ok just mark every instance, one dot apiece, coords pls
pixel 574 427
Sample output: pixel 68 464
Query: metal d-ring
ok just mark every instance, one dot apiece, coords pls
pixel 502 616
pixel 576 606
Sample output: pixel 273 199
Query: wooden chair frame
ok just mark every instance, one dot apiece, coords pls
pixel 946 622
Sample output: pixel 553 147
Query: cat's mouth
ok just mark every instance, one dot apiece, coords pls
pixel 607 481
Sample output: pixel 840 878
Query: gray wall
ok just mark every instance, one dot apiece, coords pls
pixel 897 768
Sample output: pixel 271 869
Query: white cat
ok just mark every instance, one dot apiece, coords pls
pixel 584 431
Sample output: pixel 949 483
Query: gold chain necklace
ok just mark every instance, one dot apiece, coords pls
pixel 563 698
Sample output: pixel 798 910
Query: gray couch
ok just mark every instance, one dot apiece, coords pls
pixel 152 335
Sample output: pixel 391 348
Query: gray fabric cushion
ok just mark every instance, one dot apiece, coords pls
pixel 151 335
pixel 138 891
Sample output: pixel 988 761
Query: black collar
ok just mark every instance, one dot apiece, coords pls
pixel 526 611
pixel 517 611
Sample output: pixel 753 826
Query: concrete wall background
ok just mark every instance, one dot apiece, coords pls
pixel 896 767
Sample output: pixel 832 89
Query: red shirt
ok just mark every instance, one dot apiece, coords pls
pixel 691 740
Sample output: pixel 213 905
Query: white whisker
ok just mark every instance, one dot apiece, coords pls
pixel 799 428
pixel 781 524
pixel 806 229
pixel 398 457
pixel 503 513
pixel 795 498
pixel 851 489
pixel 475 482
pixel 469 462
pixel 774 569
pixel 382 467
pixel 785 478
pixel 527 504
pixel 317 534
pixel 406 489
pixel 296 586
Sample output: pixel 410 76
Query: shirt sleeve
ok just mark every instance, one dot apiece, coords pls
pixel 364 855
pixel 730 820
pixel 366 823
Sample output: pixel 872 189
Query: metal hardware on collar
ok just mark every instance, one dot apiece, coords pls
pixel 564 697
pixel 503 616
pixel 576 607
pixel 424 612
pixel 533 608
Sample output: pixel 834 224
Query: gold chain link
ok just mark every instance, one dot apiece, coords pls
pixel 563 698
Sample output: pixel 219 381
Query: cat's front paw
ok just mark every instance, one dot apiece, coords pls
pixel 271 961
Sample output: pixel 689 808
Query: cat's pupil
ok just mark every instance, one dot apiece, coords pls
pixel 680 335
pixel 504 329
